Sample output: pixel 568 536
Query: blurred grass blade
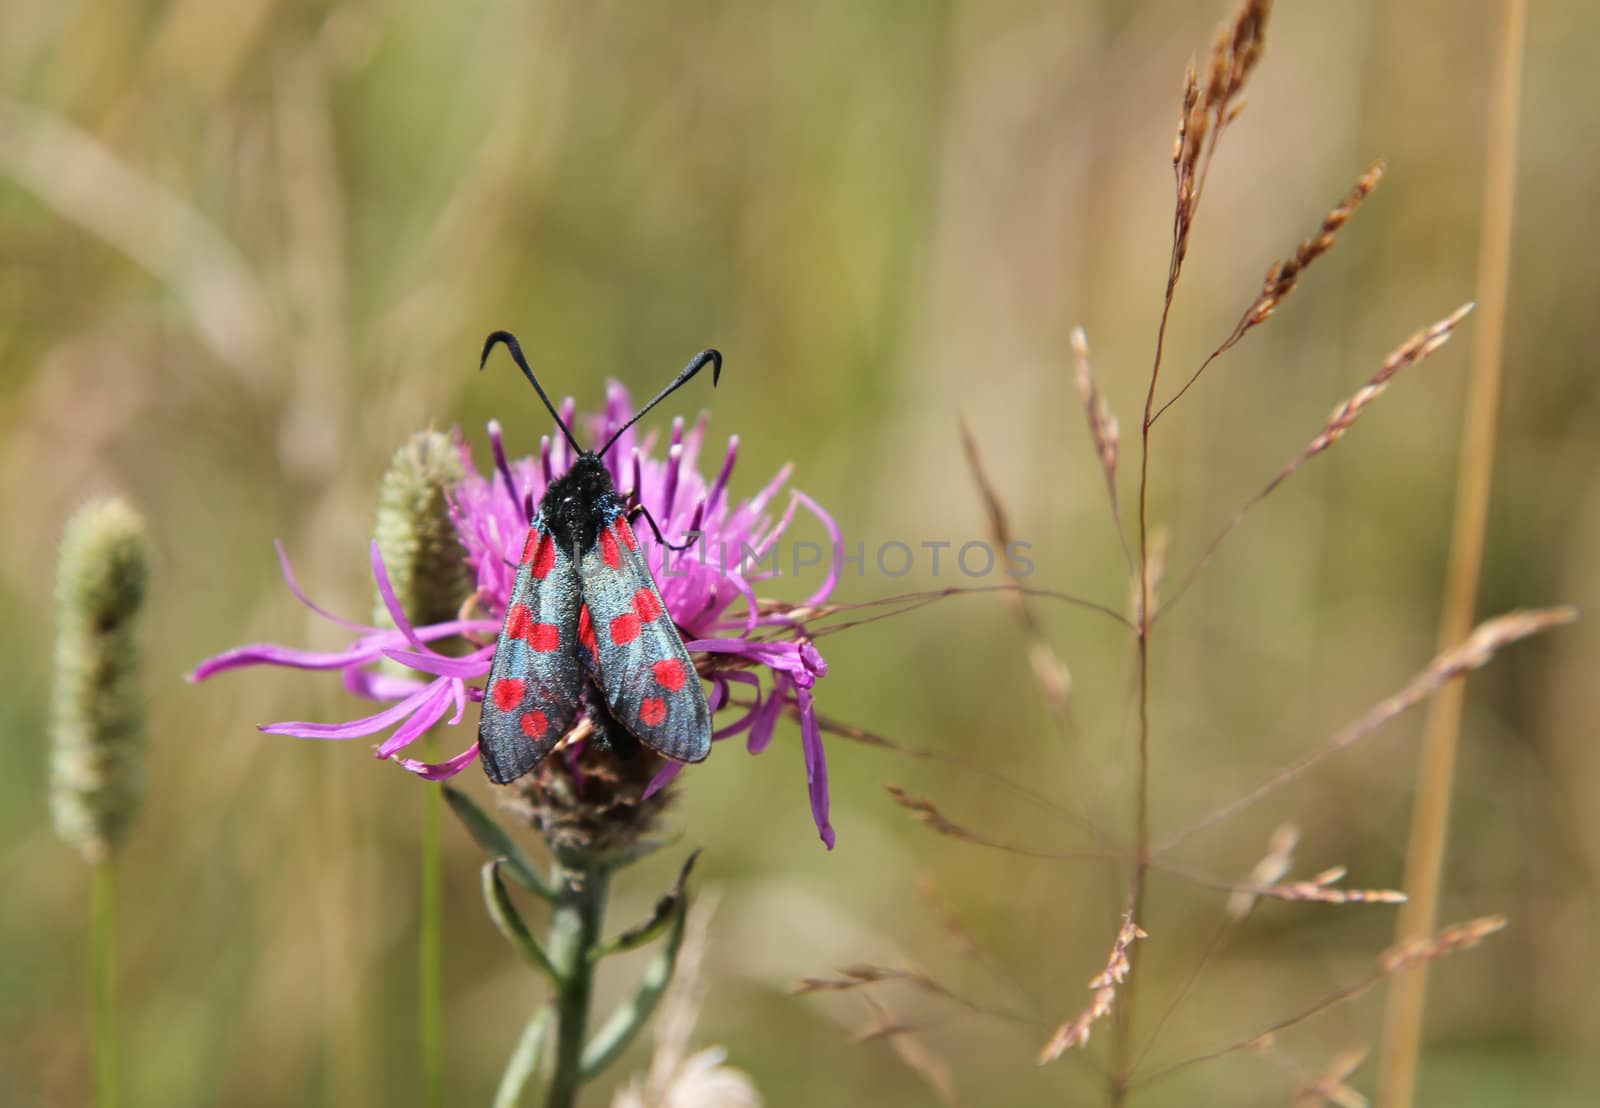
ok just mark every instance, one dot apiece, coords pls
pixel 505 917
pixel 497 844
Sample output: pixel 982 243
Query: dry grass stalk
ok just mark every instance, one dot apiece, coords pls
pixel 1283 277
pixel 1316 1088
pixel 932 818
pixel 1155 571
pixel 1048 668
pixel 862 974
pixel 1075 1032
pixel 1461 936
pixel 1267 872
pixel 911 1051
pixel 1328 1087
pixel 1208 109
pixel 891 607
pixel 1490 637
pixel 1407 354
pixel 1430 819
pixel 1103 428
pixel 965 943
pixel 1320 888
pixel 861 735
pixel 1409 955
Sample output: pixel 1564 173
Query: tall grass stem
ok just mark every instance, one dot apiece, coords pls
pixel 1402 1033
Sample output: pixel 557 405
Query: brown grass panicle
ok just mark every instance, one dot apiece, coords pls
pixel 1212 99
pixel 1283 277
pixel 1458 937
pixel 1207 111
pixel 1103 428
pixel 1075 1032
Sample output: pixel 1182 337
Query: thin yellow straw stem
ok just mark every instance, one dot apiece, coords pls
pixel 1430 823
pixel 103 945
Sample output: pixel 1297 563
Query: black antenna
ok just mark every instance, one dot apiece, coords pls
pixel 522 363
pixel 696 364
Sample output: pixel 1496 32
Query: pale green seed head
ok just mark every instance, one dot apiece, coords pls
pixel 424 557
pixel 97 712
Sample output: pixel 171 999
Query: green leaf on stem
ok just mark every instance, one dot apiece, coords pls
pixel 505 917
pixel 525 1060
pixel 497 844
pixel 665 910
pixel 632 1014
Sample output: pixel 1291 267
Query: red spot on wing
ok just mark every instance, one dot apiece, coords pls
pixel 586 629
pixel 544 559
pixel 608 548
pixel 507 693
pixel 518 620
pixel 625 628
pixel 531 545
pixel 646 605
pixel 544 637
pixel 670 675
pixel 652 710
pixel 627 533
pixel 534 724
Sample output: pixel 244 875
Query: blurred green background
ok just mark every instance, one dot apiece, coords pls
pixel 247 247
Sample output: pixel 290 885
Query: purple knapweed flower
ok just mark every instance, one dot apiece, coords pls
pixel 758 657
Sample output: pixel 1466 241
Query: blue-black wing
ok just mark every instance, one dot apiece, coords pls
pixel 535 681
pixel 649 682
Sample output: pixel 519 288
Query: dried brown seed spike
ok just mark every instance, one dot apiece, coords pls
pixel 1103 426
pixel 1461 936
pixel 1075 1032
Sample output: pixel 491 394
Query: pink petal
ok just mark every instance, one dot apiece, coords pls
pixel 271 654
pixel 838 548
pixel 376 685
pixel 664 777
pixel 425 716
pixel 766 718
pixel 465 668
pixel 294 589
pixel 355 728
pixel 439 771
pixel 816 766
pixel 380 573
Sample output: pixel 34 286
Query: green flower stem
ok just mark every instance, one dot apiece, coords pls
pixel 430 969
pixel 524 1064
pixel 574 931
pixel 103 958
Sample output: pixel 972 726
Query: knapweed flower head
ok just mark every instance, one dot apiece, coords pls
pixel 754 651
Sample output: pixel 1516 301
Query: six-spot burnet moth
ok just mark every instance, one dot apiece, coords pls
pixel 585 630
